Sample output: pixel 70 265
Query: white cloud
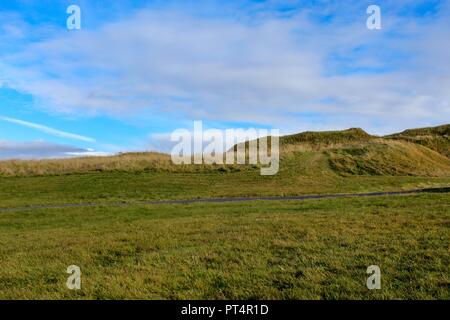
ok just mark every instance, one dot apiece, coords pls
pixel 41 150
pixel 272 72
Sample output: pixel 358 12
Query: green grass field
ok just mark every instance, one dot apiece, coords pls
pixel 300 173
pixel 310 249
pixel 313 249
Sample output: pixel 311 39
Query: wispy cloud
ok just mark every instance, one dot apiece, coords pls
pixel 42 150
pixel 48 130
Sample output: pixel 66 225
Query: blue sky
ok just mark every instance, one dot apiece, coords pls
pixel 137 70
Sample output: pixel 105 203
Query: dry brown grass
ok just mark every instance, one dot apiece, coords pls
pixel 389 157
pixel 123 162
pixel 350 152
pixel 435 138
pixel 126 162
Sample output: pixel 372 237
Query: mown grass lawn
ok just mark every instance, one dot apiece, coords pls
pixel 313 249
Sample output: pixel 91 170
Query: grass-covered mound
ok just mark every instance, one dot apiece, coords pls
pixel 355 152
pixel 327 137
pixel 327 153
pixel 384 157
pixel 435 138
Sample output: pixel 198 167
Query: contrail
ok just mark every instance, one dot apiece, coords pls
pixel 48 130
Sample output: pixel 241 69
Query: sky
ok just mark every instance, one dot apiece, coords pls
pixel 138 70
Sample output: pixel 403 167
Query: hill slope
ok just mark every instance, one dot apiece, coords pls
pixel 384 157
pixel 348 152
pixel 355 152
pixel 435 138
pixel 327 137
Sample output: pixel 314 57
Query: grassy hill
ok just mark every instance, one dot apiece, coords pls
pixel 327 137
pixel 382 157
pixel 355 152
pixel 435 138
pixel 416 152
